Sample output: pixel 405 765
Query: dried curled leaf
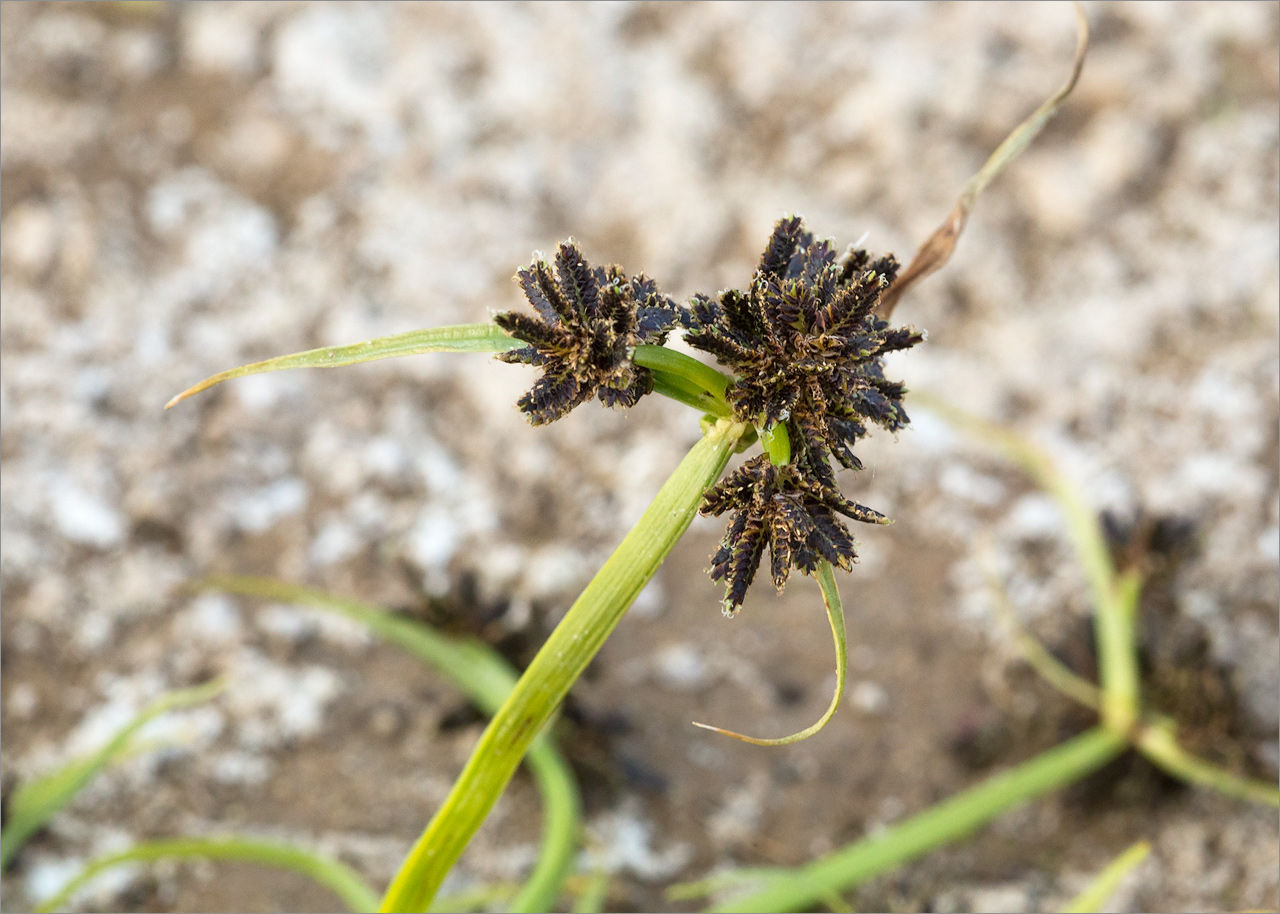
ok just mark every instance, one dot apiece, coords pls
pixel 937 248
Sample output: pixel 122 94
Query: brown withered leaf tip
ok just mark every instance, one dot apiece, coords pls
pixel 587 325
pixel 806 347
pixel 790 511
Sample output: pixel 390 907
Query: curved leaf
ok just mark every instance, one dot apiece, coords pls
pixel 486 679
pixel 484 337
pixel 835 615
pixel 35 802
pixel 339 878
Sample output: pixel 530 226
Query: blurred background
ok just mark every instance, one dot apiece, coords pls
pixel 189 187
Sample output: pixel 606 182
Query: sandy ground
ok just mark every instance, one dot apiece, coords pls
pixel 185 189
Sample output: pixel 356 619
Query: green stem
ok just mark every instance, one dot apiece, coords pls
pixel 952 819
pixel 776 441
pixel 1114 600
pixel 660 358
pixel 559 663
pixel 337 877
pixel 1158 742
pixel 682 391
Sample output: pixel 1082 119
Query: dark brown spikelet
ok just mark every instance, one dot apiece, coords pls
pixel 788 510
pixel 806 345
pixel 587 326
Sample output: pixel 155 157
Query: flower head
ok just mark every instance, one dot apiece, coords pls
pixel 788 510
pixel 806 344
pixel 587 326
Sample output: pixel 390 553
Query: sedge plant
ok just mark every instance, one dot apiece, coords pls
pixel 802 345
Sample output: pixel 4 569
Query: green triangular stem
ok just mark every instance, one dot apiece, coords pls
pixel 559 663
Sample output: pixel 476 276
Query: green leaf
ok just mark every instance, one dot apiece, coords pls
pixel 1114 596
pixel 485 337
pixel 1100 891
pixel 835 616
pixel 1158 742
pixel 339 878
pixel 961 815
pixel 35 802
pixel 487 679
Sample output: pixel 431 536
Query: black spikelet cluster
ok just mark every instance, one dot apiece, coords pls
pixel 587 326
pixel 806 347
pixel 789 510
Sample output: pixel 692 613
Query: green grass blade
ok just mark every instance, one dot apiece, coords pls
pixel 955 818
pixel 1051 669
pixel 1114 598
pixel 486 679
pixel 745 878
pixel 561 829
pixel 1158 742
pixel 835 616
pixel 485 337
pixel 339 878
pixel 482 675
pixel 1092 899
pixel 35 802
pixel 559 663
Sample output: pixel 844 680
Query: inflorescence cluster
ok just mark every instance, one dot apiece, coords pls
pixel 805 347
pixel 588 324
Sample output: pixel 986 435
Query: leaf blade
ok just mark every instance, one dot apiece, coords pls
pixel 938 247
pixel 484 337
pixel 835 616
pixel 339 878
pixel 34 803
pixel 486 679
